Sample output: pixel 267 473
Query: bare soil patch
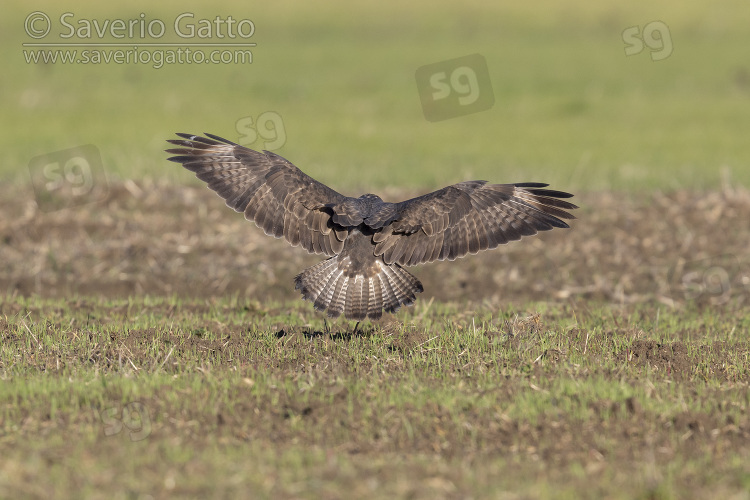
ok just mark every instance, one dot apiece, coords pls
pixel 159 239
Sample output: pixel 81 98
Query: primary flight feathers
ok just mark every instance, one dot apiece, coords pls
pixel 367 239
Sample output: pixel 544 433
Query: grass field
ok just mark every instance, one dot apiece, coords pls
pixel 152 344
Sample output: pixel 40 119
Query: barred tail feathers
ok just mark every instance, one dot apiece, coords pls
pixel 330 286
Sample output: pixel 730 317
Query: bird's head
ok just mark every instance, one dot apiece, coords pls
pixel 371 198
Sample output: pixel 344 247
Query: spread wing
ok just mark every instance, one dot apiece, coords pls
pixel 469 217
pixel 276 195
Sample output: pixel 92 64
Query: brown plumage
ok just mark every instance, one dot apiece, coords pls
pixel 366 239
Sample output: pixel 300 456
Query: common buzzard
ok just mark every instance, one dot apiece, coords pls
pixel 366 240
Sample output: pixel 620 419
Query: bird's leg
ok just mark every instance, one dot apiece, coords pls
pixel 355 329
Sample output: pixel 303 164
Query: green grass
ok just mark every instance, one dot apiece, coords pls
pixel 440 399
pixel 570 107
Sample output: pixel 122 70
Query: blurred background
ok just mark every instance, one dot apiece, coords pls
pixel 640 109
pixel 588 96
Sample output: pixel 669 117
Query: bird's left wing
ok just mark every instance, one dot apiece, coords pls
pixel 268 189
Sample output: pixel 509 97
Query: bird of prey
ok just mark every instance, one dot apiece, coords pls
pixel 368 242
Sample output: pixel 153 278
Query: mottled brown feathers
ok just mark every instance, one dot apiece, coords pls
pixel 367 239
pixel 276 195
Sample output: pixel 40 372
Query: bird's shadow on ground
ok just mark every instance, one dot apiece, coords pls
pixel 312 333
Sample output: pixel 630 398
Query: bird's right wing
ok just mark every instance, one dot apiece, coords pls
pixel 276 195
pixel 467 218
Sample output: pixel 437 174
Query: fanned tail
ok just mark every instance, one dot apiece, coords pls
pixel 330 286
